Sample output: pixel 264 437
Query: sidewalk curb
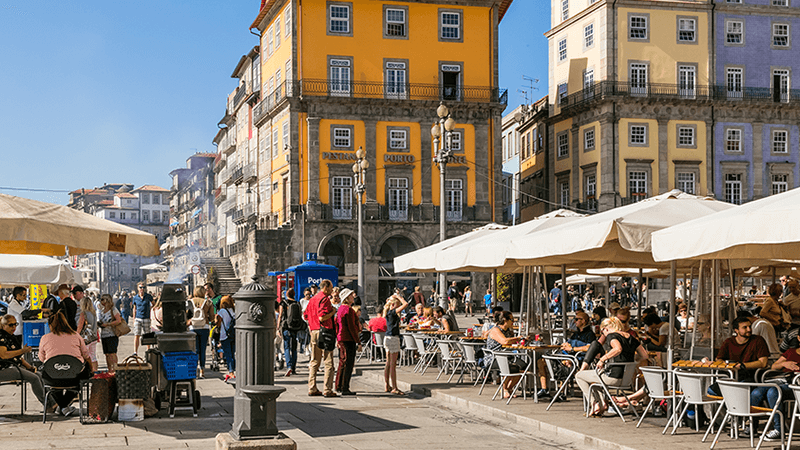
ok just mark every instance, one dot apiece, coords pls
pixel 492 413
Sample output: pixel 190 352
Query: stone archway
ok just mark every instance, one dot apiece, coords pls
pixel 340 247
pixel 391 247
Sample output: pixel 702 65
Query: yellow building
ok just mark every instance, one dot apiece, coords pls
pixel 628 84
pixel 336 76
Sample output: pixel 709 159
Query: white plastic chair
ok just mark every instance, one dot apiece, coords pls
pixel 795 412
pixel 655 379
pixel 408 352
pixel 425 355
pixel 470 360
pixel 627 383
pixel 737 403
pixel 556 358
pixel 451 358
pixel 504 363
pixel 378 353
pixel 693 386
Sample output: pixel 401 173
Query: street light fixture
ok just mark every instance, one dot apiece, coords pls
pixel 442 132
pixel 360 170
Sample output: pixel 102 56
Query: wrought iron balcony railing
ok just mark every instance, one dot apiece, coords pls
pixel 407 91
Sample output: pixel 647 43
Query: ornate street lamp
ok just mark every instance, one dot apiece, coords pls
pixel 360 170
pixel 442 133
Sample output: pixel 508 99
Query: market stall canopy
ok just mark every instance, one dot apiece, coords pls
pixel 488 252
pixel 759 231
pixel 619 237
pixel 424 259
pixel 36 269
pixel 37 228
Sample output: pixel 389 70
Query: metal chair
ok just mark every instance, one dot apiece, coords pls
pixel 407 354
pixel 23 390
pixel 366 345
pixel 451 357
pixel 556 358
pixel 61 369
pixel 655 379
pixel 736 396
pixel 486 371
pixel 795 413
pixel 377 353
pixel 627 383
pixel 504 363
pixel 426 355
pixel 693 386
pixel 470 360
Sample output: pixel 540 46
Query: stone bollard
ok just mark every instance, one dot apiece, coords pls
pixel 254 409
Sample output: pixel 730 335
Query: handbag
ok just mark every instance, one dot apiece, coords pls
pixel 121 329
pixel 327 339
pixel 133 378
pixel 86 333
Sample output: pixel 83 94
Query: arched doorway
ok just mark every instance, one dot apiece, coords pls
pixel 342 251
pixel 387 279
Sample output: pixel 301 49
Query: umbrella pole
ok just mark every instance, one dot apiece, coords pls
pixel 639 299
pixel 608 291
pixel 522 302
pixel 734 303
pixel 714 301
pixel 564 302
pixel 774 274
pixel 673 269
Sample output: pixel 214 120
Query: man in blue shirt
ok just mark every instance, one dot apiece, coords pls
pixel 141 315
pixel 487 300
pixel 555 299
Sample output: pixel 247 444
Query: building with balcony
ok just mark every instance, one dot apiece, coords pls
pixel 339 76
pixel 511 166
pixel 192 207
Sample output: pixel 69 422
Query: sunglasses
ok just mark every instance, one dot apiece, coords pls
pixel 13 324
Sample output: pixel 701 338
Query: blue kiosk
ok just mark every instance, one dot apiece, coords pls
pixel 304 275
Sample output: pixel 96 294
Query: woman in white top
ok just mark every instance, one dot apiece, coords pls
pixel 87 324
pixel 202 312
pixel 468 302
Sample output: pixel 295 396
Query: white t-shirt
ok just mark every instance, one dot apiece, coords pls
pixel 664 331
pixel 15 308
pixel 765 329
pixel 683 321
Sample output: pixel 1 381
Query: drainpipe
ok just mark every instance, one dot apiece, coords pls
pixel 614 120
pixel 713 80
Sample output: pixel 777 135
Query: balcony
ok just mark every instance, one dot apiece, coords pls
pixel 243 213
pixel 219 163
pixel 237 248
pixel 237 174
pixel 398 214
pixel 454 215
pixel 620 89
pixel 249 172
pixel 330 213
pixel 240 95
pixel 227 205
pixel 408 91
pixel 228 144
pixel 271 101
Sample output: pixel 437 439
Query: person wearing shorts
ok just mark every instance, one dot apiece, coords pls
pixel 142 303
pixel 107 317
pixel 391 342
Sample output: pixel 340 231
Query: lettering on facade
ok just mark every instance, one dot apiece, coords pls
pixel 398 158
pixel 450 68
pixel 339 156
pixel 458 159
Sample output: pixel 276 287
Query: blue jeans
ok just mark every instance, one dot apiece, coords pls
pixel 290 349
pixel 202 343
pixel 302 337
pixel 576 303
pixel 771 393
pixel 229 351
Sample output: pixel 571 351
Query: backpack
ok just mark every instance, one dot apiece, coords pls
pixel 230 330
pixel 294 316
pixel 198 316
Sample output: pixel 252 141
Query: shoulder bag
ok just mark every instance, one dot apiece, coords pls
pixel 121 329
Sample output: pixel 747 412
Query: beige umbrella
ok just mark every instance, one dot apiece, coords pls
pixel 424 259
pixel 32 227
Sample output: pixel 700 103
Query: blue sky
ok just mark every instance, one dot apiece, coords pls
pixel 108 91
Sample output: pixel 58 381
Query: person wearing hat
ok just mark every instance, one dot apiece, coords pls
pixel 613 308
pixel 60 300
pixel 348 330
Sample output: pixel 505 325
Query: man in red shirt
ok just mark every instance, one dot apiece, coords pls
pixel 320 312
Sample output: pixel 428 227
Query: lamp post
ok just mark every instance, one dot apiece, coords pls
pixel 360 170
pixel 442 132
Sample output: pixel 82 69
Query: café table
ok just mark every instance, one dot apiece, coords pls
pixel 532 350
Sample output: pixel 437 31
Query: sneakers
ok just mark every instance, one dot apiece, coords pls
pixel 348 393
pixel 67 411
pixel 772 435
pixel 543 393
pixel 288 373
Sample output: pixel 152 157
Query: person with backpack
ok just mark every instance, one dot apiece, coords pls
pixel 226 324
pixel 201 311
pixel 290 319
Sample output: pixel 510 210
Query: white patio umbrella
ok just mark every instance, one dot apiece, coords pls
pixel 36 269
pixel 424 259
pixel 37 228
pixel 153 266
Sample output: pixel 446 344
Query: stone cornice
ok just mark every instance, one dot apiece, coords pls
pixel 386 110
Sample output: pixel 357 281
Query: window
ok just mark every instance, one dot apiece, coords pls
pixel 156 199
pixel 563 193
pixel 590 182
pixel 288 71
pixel 398 198
pixel 267 142
pixel 145 197
pixel 270 42
pixel 733 1
pixel 780 85
pixel 342 199
pixel 133 216
pixel 456 141
pixel 156 216
pixel 145 216
pixel 286 135
pixel 263 147
pixel 564 10
pixel 562 93
pixel 563 144
pixel 780 139
pixel 780 183
pixel 562 49
pixel 275 148
pixel 734 82
pixel 686 182
pixel 450 77
pixel 637 186
pixel 733 140
pixel 450 25
pixel 588 79
pixel 686 137
pixel 780 35
pixel 454 199
pixel 340 77
pixel 339 18
pixel 588 36
pixel 588 139
pixel 277 32
pixel 780 2
pixel 733 188
pixel 287 19
pixel 637 27
pixel 112 215
pixel 686 81
pixel 395 79
pixel 638 135
pixel 278 79
pixel 271 84
pixel 398 139
pixel 638 78
pixel 686 30
pixel 395 23
pixel 734 32
pixel 341 137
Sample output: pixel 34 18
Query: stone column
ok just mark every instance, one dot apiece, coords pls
pixel 758 165
pixel 426 166
pixel 482 189
pixel 606 174
pixel 371 206
pixel 575 191
pixel 663 156
pixel 314 204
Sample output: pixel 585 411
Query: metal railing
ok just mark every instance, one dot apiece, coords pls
pixel 398 214
pixel 240 95
pixel 454 215
pixel 607 89
pixel 271 100
pixel 408 91
pixel 248 171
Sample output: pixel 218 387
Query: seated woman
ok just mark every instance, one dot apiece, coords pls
pixel 502 334
pixel 686 320
pixel 63 340
pixel 624 348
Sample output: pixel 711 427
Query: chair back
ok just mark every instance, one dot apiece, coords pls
pixel 62 367
pixel 737 397
pixel 693 386
pixel 377 338
pixel 420 345
pixel 654 378
pixel 411 344
pixel 796 391
pixel 444 349
pixel 468 350
pixel 503 362
pixel 628 375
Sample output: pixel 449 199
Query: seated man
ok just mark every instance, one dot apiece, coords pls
pixel 579 341
pixel 748 351
pixel 447 321
pixel 12 366
pixel 764 329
